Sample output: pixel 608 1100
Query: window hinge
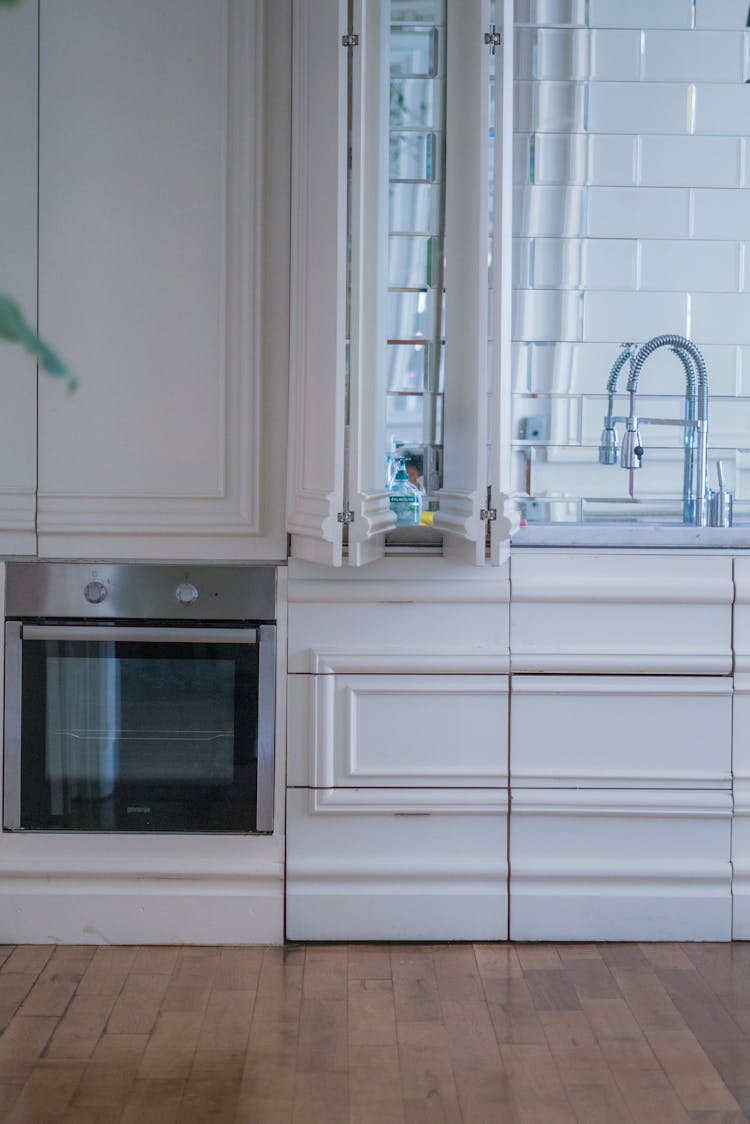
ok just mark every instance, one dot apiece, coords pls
pixel 345 517
pixel 350 40
pixel 488 514
pixel 493 38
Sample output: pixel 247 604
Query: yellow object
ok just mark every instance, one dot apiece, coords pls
pixel 427 518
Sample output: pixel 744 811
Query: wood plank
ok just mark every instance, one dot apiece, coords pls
pixel 538 1092
pixel 47 1094
pixel 415 989
pixel 371 1013
pixel 427 1081
pixel 22 1044
pixel 169 1053
pixel 107 971
pixel 111 1072
pixel 81 1027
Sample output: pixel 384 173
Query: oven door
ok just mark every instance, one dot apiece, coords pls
pixel 127 729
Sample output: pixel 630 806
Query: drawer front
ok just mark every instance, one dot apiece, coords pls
pixel 379 874
pixel 630 614
pixel 621 731
pixel 398 730
pixel 593 865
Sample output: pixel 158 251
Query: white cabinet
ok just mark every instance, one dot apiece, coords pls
pixel 343 292
pixel 741 752
pixel 397 753
pixel 621 798
pixel 18 248
pixel 163 270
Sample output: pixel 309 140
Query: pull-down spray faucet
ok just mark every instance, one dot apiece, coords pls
pixel 694 421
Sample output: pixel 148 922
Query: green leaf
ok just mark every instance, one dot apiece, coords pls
pixel 14 328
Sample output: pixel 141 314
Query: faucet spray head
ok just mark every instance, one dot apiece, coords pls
pixel 608 445
pixel 631 453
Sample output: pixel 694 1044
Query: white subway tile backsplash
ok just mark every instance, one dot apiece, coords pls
pixel 553 54
pixel 552 107
pixel 723 110
pixel 549 314
pixel 744 372
pixel 572 263
pixel 641 13
pixel 632 316
pixel 721 214
pixel 724 14
pixel 609 263
pixel 638 107
pixel 638 212
pixel 521 158
pixel 690 266
pixel 554 211
pixel 557 263
pixel 690 161
pixel 721 317
pixel 551 13
pixel 637 224
pixel 612 160
pixel 615 56
pixel 684 56
pixel 559 158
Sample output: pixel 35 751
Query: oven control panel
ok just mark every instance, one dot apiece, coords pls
pixel 141 591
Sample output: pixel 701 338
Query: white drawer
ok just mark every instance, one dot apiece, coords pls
pixel 621 731
pixel 451 615
pixel 621 613
pixel 397 730
pixel 620 865
pixel 374 872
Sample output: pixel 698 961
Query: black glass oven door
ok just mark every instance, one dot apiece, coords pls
pixel 140 729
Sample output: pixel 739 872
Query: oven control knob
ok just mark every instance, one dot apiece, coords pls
pixel 95 592
pixel 186 593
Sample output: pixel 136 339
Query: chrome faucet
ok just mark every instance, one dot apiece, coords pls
pixel 695 507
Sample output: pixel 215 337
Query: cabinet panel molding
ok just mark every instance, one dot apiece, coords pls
pixel 369 731
pixel 18 254
pixel 408 801
pixel 621 731
pixel 165 450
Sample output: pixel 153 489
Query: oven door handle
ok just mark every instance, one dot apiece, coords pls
pixel 145 635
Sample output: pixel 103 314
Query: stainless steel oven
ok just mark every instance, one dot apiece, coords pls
pixel 139 698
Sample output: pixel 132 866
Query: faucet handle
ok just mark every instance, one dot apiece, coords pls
pixel 631 452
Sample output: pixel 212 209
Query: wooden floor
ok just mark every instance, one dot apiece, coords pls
pixel 376 1034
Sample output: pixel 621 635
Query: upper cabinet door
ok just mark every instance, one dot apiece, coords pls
pixel 163 273
pixel 18 248
pixel 317 386
pixel 401 244
pixel 475 512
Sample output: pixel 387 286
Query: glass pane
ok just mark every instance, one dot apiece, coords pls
pixel 411 260
pixel 407 366
pixel 416 221
pixel 415 208
pixel 414 52
pixel 416 103
pixel 413 156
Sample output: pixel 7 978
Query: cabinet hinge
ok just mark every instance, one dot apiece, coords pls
pixel 493 38
pixel 489 514
pixel 350 40
pixel 345 517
